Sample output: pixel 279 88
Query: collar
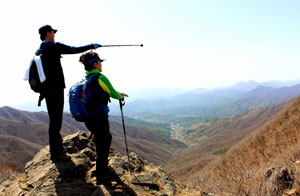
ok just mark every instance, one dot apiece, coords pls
pixel 92 71
pixel 47 41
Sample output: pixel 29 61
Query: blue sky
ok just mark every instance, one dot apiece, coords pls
pixel 187 44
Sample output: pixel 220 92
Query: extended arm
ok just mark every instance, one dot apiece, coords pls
pixel 64 49
pixel 107 87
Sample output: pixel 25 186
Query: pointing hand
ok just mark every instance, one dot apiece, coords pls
pixel 95 46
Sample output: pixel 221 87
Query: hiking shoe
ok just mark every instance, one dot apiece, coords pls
pixel 103 172
pixel 60 157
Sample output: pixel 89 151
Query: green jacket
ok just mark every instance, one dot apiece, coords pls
pixel 106 85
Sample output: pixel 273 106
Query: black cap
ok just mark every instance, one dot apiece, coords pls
pixel 46 28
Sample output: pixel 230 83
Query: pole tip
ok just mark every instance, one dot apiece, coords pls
pixel 142 45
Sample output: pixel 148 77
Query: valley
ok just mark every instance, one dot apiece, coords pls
pixel 211 131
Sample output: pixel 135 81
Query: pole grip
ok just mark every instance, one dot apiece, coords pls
pixel 122 102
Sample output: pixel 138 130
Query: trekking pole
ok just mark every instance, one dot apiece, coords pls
pixel 122 103
pixel 141 45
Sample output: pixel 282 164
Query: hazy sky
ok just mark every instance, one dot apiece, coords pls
pixel 187 44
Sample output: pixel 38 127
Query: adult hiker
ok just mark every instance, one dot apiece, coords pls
pixel 51 52
pixel 101 91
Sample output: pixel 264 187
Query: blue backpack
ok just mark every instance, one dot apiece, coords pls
pixel 79 96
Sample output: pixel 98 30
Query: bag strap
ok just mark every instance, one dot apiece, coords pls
pixel 92 75
pixel 87 82
pixel 41 97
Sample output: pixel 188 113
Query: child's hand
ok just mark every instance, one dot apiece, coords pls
pixel 123 95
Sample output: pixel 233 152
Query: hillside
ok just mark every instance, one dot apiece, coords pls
pixel 14 148
pixel 212 138
pixel 236 126
pixel 20 140
pixel 249 167
pixel 30 127
pixel 12 114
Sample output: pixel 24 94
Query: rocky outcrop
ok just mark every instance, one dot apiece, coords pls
pixel 279 179
pixel 74 177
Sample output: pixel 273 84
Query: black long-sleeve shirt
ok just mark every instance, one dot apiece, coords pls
pixel 51 54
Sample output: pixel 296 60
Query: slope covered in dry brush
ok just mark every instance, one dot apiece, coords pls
pixel 212 138
pixel 247 167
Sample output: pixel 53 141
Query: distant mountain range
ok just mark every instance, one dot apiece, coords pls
pixel 251 84
pixel 212 103
pixel 149 94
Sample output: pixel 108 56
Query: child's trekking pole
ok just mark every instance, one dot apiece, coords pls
pixel 122 103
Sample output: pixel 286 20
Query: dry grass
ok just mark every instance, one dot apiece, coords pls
pixel 244 169
pixel 8 172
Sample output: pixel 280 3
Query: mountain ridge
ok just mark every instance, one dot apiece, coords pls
pixel 221 102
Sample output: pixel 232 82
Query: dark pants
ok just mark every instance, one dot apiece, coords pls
pixel 55 106
pixel 100 128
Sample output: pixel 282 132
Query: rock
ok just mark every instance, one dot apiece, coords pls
pixel 280 179
pixel 73 177
pixel 292 192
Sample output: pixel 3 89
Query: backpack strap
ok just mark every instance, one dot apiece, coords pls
pixel 103 108
pixel 89 80
pixel 41 97
pixel 92 75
